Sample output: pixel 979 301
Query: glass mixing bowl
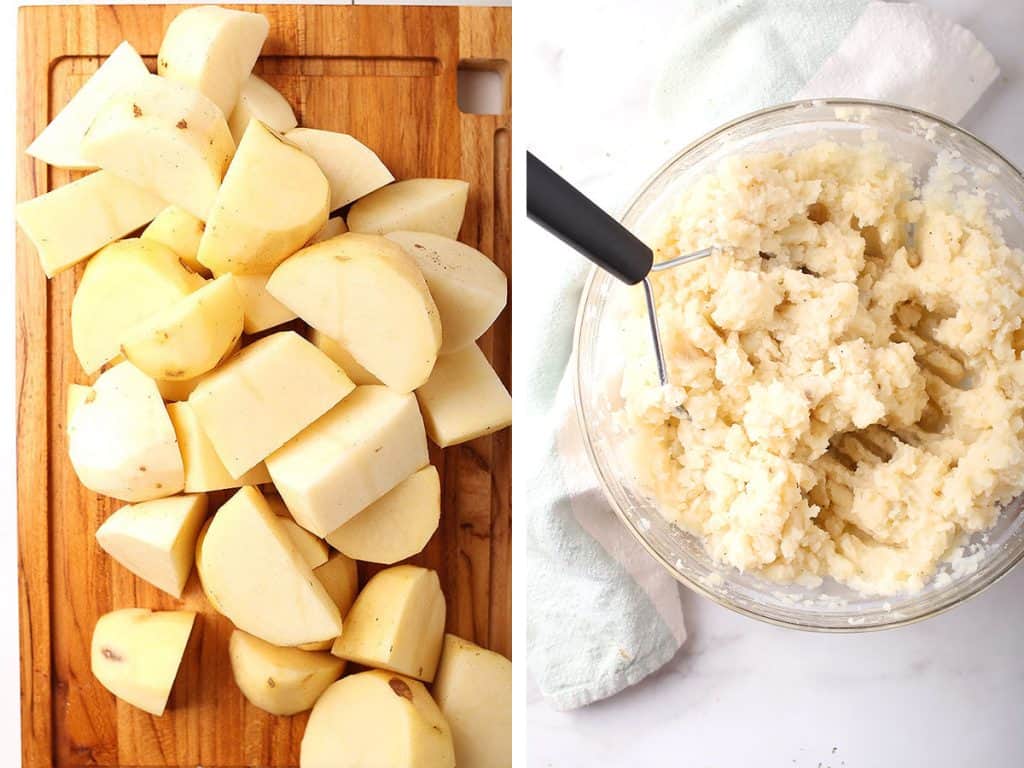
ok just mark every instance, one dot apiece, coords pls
pixel 913 136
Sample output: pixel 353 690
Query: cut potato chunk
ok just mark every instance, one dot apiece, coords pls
pixel 136 654
pixel 281 681
pixel 349 458
pixel 166 138
pixel 190 337
pixel 313 550
pixel 341 356
pixel 335 226
pixel 71 223
pixel 212 50
pixel 201 567
pixel 365 292
pixel 469 289
pixel 352 168
pixel 259 100
pixel 77 394
pixel 175 391
pixel 180 231
pixel 60 143
pixel 340 578
pixel 156 540
pixel 262 310
pixel 397 525
pixel 255 574
pixel 273 199
pixel 415 205
pixel 264 396
pixel 464 399
pixel 204 470
pixel 376 718
pixel 124 284
pixel 121 441
pixel 473 689
pixel 396 623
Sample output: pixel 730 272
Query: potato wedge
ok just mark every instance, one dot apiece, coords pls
pixel 464 399
pixel 416 205
pixel 190 337
pixel 259 100
pixel 71 223
pixel 201 567
pixel 258 578
pixel 136 654
pixel 341 356
pixel 376 718
pixel 265 395
pixel 473 690
pixel 396 623
pixel 273 199
pixel 120 439
pixel 204 470
pixel 349 458
pixel 212 50
pixel 60 142
pixel 397 525
pixel 313 550
pixel 165 137
pixel 365 292
pixel 340 578
pixel 180 231
pixel 352 168
pixel 262 310
pixel 281 681
pixel 124 284
pixel 156 540
pixel 469 289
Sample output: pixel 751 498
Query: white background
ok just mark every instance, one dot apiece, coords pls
pixel 947 693
pixel 10 729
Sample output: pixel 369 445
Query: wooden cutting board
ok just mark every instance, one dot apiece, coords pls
pixel 388 76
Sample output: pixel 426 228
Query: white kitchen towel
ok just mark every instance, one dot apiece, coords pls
pixel 601 613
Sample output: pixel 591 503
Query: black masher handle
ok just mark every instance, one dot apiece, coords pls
pixel 563 211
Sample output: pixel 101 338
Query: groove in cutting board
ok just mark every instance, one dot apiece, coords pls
pixel 387 75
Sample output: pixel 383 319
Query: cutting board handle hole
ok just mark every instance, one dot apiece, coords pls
pixel 483 86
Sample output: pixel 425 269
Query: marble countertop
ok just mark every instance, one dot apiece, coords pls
pixel 945 693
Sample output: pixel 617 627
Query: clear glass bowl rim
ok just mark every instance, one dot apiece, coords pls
pixel 583 421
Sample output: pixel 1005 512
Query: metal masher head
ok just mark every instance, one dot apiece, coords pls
pixel 564 211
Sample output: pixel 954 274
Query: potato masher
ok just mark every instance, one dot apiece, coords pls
pixel 565 212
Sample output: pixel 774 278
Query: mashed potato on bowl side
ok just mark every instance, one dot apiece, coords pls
pixel 850 362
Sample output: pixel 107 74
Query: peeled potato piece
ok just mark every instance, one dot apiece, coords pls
pixel 76 396
pixel 156 539
pixel 74 221
pixel 180 231
pixel 464 399
pixel 335 226
pixel 473 689
pixel 180 389
pixel 376 718
pixel 273 199
pixel 213 50
pixel 190 337
pixel 281 681
pixel 352 169
pixel 349 458
pixel 469 289
pixel 201 567
pixel 259 580
pixel 262 310
pixel 123 285
pixel 120 439
pixel 204 470
pixel 396 623
pixel 340 578
pixel 60 142
pixel 341 356
pixel 259 100
pixel 166 138
pixel 136 654
pixel 265 395
pixel 365 292
pixel 313 549
pixel 416 205
pixel 397 525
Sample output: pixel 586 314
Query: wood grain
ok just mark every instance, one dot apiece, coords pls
pixel 388 76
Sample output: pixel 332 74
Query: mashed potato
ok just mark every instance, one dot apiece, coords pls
pixel 850 362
